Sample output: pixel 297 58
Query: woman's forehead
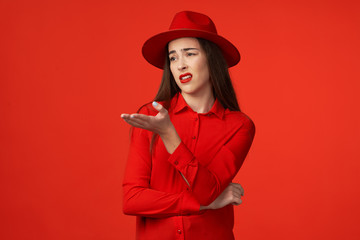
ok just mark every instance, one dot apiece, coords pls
pixel 183 43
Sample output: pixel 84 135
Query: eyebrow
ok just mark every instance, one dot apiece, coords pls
pixel 184 49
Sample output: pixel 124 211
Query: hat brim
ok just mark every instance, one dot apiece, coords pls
pixel 154 48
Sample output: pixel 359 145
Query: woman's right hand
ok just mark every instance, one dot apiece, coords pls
pixel 159 124
pixel 231 195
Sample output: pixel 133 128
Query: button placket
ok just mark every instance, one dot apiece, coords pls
pixel 195 132
pixel 179 229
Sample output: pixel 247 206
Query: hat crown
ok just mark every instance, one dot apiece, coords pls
pixel 193 20
pixel 188 24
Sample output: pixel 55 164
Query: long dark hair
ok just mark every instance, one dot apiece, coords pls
pixel 222 87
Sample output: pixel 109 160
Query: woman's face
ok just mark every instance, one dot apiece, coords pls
pixel 189 67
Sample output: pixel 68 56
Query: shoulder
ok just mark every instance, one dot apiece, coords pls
pixel 239 120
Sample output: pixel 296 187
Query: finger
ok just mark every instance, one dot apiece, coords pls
pixel 242 191
pixel 236 192
pixel 134 124
pixel 125 116
pixel 237 202
pixel 159 107
pixel 134 116
pixel 141 116
pixel 239 187
pixel 235 186
pixel 138 123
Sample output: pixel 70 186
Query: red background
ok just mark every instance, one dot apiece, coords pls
pixel 68 69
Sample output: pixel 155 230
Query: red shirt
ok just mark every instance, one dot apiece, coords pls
pixel 213 148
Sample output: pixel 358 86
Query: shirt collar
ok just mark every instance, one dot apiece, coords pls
pixel 178 104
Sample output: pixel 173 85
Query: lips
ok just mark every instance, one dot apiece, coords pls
pixel 186 77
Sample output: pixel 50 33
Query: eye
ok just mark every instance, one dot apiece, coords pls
pixel 190 54
pixel 172 58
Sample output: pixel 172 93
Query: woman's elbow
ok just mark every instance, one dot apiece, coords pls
pixel 132 202
pixel 127 210
pixel 128 199
pixel 128 207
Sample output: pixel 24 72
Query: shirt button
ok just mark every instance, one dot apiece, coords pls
pixel 208 114
pixel 196 119
pixel 179 231
pixel 193 137
pixel 176 162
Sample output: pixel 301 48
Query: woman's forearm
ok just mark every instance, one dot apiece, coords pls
pixel 205 207
pixel 171 139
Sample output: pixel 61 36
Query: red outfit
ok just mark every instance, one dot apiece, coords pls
pixel 213 148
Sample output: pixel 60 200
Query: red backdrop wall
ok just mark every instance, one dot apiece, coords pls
pixel 68 69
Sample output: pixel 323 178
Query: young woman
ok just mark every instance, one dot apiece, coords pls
pixel 188 145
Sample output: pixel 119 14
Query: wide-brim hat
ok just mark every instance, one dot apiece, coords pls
pixel 188 24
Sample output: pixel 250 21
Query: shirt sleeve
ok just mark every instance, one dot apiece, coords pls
pixel 207 183
pixel 138 198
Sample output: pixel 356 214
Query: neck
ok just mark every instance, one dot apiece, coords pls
pixel 199 104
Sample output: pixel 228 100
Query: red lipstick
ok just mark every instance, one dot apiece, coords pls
pixel 186 77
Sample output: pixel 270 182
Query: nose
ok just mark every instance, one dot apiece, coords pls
pixel 181 64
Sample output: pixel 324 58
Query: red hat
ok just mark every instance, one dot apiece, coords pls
pixel 188 24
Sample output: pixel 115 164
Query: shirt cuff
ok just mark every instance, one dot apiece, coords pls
pixel 181 157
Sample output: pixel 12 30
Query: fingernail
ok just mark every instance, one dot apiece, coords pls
pixel 132 116
pixel 155 103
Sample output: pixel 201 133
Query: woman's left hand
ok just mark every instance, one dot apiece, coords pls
pixel 159 124
pixel 231 195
